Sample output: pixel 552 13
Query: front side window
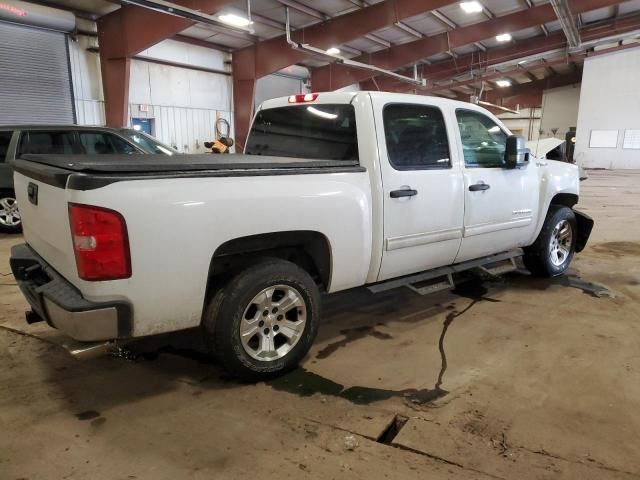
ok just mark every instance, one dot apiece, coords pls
pixel 101 143
pixel 47 142
pixel 5 139
pixel 483 141
pixel 416 137
pixel 321 131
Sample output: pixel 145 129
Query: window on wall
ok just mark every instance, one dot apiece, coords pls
pixel 416 137
pixel 483 141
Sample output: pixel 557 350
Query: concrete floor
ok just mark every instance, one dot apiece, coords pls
pixel 522 379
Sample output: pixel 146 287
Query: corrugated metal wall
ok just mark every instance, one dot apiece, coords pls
pixel 34 76
pixel 184 104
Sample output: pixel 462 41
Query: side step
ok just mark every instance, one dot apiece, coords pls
pixel 441 278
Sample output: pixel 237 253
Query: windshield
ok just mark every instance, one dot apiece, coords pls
pixel 147 142
pixel 326 132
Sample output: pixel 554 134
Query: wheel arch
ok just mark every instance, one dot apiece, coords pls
pixel 310 250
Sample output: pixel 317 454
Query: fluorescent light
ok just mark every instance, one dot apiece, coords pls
pixel 235 20
pixel 471 7
pixel 333 51
pixel 504 37
pixel 503 83
pixel 320 113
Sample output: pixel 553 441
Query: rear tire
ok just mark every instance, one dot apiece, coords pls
pixel 10 221
pixel 551 254
pixel 264 320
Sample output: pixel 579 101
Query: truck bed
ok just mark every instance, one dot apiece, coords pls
pixel 85 172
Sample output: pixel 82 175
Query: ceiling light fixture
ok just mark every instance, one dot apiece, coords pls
pixel 503 83
pixel 471 7
pixel 235 20
pixel 504 37
pixel 333 51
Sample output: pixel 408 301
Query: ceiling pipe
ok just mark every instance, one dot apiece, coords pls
pixel 493 105
pixel 176 10
pixel 304 47
pixel 568 23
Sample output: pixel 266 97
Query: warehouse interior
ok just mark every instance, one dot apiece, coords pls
pixel 503 376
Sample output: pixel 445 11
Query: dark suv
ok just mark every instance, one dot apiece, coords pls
pixel 67 140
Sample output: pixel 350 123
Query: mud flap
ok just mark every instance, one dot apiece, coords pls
pixel 585 225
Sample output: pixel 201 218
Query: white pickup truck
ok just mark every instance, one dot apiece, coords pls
pixel 334 191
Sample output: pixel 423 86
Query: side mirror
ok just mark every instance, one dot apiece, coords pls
pixel 516 153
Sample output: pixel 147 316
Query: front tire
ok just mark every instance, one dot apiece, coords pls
pixel 264 320
pixel 10 221
pixel 552 252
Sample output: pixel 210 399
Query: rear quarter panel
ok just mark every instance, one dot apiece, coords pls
pixel 176 225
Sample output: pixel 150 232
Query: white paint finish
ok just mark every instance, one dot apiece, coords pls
pixel 176 225
pixel 423 231
pixel 609 101
pixel 199 214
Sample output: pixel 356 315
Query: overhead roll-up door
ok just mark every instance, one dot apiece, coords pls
pixel 35 82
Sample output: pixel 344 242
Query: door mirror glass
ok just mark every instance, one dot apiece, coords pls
pixel 516 152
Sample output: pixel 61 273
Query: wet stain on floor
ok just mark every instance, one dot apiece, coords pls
pixel 617 249
pixel 351 335
pixel 305 383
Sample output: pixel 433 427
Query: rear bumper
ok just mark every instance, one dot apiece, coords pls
pixel 58 302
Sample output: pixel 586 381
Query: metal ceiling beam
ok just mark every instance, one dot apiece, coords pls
pixel 567 22
pixel 332 77
pixel 556 81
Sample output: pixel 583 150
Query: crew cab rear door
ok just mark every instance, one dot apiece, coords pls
pixel 500 203
pixel 422 186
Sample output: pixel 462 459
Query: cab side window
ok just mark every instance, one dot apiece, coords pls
pixel 102 143
pixel 5 139
pixel 416 137
pixel 483 141
pixel 41 142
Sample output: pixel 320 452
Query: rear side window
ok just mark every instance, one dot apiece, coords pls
pixel 101 143
pixel 5 139
pixel 416 137
pixel 325 132
pixel 47 143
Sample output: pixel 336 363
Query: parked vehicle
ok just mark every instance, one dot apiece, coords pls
pixel 334 191
pixel 56 139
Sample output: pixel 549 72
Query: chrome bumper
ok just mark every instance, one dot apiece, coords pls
pixel 61 305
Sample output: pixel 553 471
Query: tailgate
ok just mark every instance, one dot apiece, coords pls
pixel 45 222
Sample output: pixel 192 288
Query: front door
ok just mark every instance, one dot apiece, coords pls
pixel 499 203
pixel 423 196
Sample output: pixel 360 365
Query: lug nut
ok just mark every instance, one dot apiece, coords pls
pixel 260 323
pixel 265 313
pixel 280 317
pixel 275 310
pixel 276 328
pixel 266 331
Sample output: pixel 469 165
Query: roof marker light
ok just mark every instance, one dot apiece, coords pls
pixel 303 97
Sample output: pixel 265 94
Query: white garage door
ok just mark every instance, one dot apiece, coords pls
pixel 35 84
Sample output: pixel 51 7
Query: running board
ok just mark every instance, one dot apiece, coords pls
pixel 441 278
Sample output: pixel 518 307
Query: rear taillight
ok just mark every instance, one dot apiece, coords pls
pixel 100 243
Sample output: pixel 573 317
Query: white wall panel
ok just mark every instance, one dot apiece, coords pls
pixel 609 100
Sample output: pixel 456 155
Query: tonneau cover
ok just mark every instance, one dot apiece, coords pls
pixel 179 163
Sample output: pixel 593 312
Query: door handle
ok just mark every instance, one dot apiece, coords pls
pixel 405 192
pixel 476 187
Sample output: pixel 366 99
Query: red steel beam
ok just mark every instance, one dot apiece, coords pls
pixel 125 33
pixel 483 60
pixel 271 55
pixel 498 94
pixel 335 76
